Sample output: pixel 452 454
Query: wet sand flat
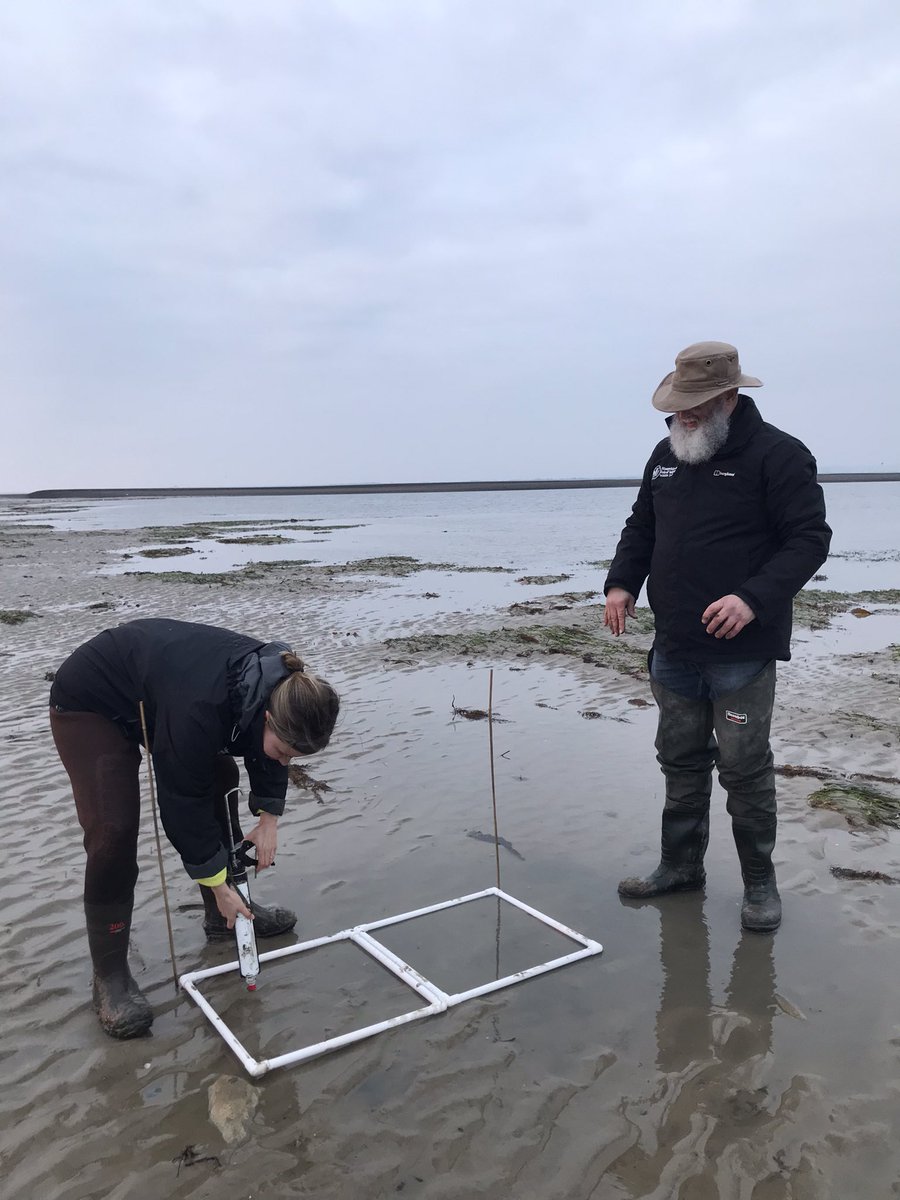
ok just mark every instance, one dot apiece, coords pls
pixel 690 1060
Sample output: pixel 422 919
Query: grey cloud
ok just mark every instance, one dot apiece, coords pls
pixel 434 239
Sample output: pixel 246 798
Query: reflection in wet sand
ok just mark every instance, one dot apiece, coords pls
pixel 719 1123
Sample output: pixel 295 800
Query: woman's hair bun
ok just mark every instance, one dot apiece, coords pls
pixel 302 708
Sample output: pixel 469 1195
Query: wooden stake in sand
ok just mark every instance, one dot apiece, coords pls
pixel 159 857
pixel 496 826
pixel 493 782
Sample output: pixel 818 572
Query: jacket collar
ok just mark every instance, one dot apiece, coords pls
pixel 256 674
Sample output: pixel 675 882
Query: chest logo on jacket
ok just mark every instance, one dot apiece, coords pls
pixel 725 474
pixel 663 472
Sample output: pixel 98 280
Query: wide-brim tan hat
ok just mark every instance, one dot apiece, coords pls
pixel 702 372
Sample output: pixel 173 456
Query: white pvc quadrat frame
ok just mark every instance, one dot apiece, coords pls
pixel 437 1000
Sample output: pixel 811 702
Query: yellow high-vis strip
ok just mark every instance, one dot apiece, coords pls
pixel 215 880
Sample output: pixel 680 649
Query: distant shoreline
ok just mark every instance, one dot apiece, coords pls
pixel 350 489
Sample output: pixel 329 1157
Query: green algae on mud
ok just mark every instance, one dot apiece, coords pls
pixel 262 570
pixel 165 552
pixel 255 539
pixel 813 609
pixel 540 580
pixel 544 604
pixel 390 565
pixel 387 564
pixel 793 772
pixel 862 807
pixel 213 530
pixel 252 572
pixel 483 570
pixel 523 642
pixel 219 578
pixel 581 637
pixel 16 616
pixel 401 565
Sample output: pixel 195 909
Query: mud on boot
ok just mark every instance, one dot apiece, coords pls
pixel 663 880
pixel 120 1004
pixel 685 834
pixel 761 909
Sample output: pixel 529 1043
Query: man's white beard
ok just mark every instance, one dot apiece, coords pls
pixel 700 444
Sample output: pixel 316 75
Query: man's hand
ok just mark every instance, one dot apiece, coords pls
pixel 265 838
pixel 230 904
pixel 619 605
pixel 726 618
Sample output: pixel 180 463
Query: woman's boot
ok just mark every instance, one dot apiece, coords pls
pixel 120 1004
pixel 268 920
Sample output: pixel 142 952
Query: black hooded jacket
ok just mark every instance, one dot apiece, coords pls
pixel 749 521
pixel 205 690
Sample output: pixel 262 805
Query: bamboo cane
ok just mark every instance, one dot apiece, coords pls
pixel 159 857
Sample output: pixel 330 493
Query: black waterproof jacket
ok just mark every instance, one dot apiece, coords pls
pixel 750 521
pixel 205 691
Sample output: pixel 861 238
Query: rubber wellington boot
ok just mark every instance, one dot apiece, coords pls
pixel 121 1007
pixel 746 771
pixel 683 844
pixel 268 921
pixel 761 909
pixel 686 752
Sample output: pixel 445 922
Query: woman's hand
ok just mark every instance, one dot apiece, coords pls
pixel 265 838
pixel 230 904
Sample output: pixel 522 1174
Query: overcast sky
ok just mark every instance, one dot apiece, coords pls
pixel 379 240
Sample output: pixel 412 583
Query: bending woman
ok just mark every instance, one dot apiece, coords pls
pixel 208 694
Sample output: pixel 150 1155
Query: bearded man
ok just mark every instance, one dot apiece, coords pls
pixel 728 526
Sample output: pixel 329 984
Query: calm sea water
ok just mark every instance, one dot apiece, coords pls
pixel 531 532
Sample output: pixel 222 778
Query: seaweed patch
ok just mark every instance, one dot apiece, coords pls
pixel 16 616
pixel 862 807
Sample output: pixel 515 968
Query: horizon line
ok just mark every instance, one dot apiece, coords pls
pixel 474 485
